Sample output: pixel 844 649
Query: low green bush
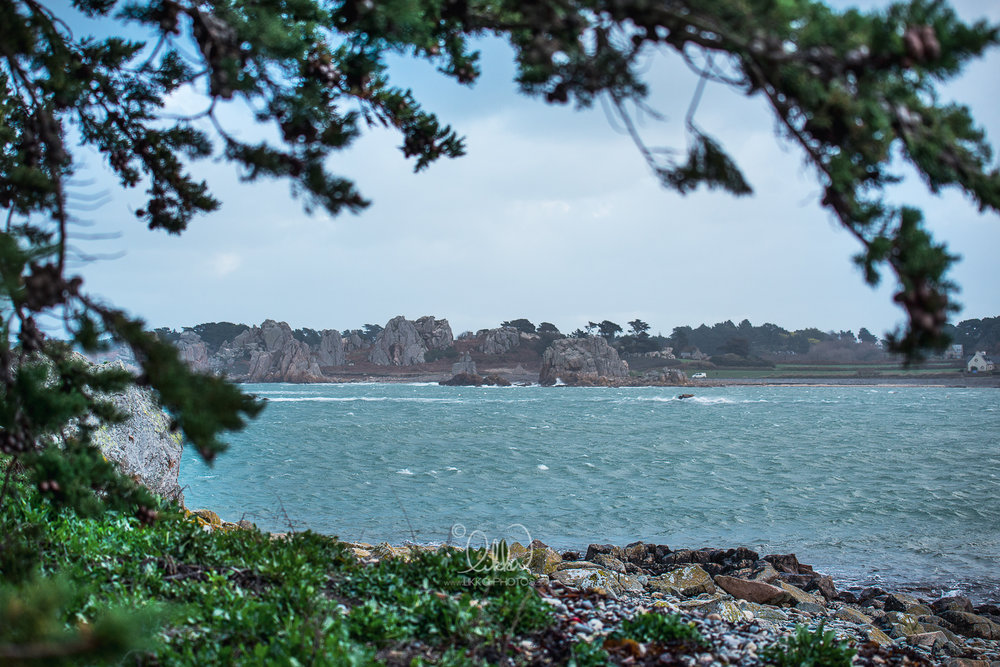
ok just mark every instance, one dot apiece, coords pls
pixel 197 597
pixel 808 648
pixel 659 628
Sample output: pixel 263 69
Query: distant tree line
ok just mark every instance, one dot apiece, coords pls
pixel 743 340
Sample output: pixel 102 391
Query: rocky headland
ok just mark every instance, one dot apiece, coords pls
pixel 424 349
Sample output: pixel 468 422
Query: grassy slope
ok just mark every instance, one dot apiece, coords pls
pixel 241 597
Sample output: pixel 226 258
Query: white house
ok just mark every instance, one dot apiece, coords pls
pixel 980 363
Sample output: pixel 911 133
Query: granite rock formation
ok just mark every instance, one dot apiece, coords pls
pixel 435 333
pixel 464 365
pixel 331 349
pixel 500 340
pixel 581 361
pixel 354 342
pixel 268 353
pixel 144 446
pixel 193 351
pixel 399 344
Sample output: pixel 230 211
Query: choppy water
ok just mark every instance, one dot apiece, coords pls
pixel 899 486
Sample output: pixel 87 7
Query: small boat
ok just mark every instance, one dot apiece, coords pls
pixel 683 396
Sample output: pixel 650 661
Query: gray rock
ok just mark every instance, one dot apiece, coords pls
pixel 670 376
pixel 585 361
pixel 952 603
pixel 436 334
pixel 610 562
pixel 500 340
pixel 971 625
pixel 193 351
pixel 143 446
pixel 464 365
pixel 398 344
pixel 268 353
pixel 331 349
pixel 752 591
pixel 354 342
pixel 686 581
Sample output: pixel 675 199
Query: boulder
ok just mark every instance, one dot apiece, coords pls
pixel 902 602
pixel 971 625
pixel 330 351
pixel 500 340
pixel 873 634
pixel 784 563
pixel 813 581
pixel 932 640
pixel 463 380
pixel 581 361
pixel 436 334
pixel 761 611
pixel 764 571
pixel 902 625
pixel 144 446
pixel 852 615
pixel 727 609
pixel 752 591
pixel 541 559
pixel 464 365
pixel 398 344
pixel 799 595
pixel 952 603
pixel 686 581
pixel 596 578
pixel 610 562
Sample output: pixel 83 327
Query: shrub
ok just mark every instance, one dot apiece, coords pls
pixel 659 628
pixel 808 648
pixel 447 353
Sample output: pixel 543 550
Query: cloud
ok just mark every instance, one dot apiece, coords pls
pixel 225 263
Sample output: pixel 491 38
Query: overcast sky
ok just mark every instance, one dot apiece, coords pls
pixel 552 215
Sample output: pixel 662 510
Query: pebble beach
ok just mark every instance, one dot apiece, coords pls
pixel 739 601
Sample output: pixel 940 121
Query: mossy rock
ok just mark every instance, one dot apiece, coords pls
pixel 875 635
pixel 727 609
pixel 687 581
pixel 852 615
pixel 761 611
pixel 208 517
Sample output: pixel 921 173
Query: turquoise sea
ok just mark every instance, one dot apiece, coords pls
pixel 874 485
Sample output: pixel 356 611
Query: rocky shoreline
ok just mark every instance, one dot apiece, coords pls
pixel 739 601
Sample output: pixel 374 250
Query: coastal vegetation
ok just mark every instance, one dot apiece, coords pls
pixel 189 590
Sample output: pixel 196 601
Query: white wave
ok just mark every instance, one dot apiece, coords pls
pixel 704 400
pixel 452 469
pixel 365 399
pixel 542 466
pixel 404 471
